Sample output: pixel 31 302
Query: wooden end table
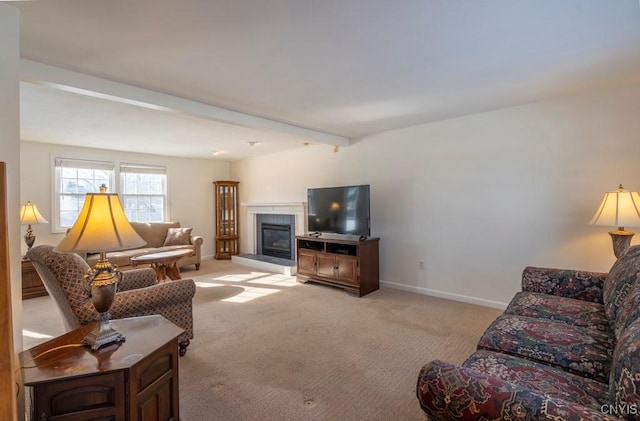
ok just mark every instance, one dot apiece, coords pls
pixel 165 263
pixel 32 285
pixel 132 380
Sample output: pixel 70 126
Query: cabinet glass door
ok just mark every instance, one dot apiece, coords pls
pixel 226 219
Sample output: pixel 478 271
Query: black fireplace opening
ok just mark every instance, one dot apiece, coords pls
pixel 276 240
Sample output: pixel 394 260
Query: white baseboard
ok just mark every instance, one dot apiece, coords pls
pixel 447 295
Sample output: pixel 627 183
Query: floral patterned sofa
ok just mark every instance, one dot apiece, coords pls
pixel 566 348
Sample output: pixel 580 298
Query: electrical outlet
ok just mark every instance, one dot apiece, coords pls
pixel 420 264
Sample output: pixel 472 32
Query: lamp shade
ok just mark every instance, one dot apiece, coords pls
pixel 29 215
pixel 618 209
pixel 101 226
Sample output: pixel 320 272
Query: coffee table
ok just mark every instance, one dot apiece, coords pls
pixel 165 263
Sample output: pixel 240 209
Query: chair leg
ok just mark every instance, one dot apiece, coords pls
pixel 197 266
pixel 183 347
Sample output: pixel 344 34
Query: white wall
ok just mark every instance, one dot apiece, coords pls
pixel 190 186
pixel 478 198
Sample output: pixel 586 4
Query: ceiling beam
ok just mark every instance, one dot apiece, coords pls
pixel 83 84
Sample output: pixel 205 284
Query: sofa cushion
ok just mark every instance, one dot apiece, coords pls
pixel 542 378
pixel 580 350
pixel 116 258
pixel 450 392
pixel 620 280
pixel 561 309
pixel 178 237
pixel 154 233
pixel 570 283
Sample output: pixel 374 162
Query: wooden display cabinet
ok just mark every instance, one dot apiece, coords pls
pixel 352 265
pixel 227 235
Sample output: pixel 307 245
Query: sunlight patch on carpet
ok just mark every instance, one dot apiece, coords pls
pixel 208 284
pixel 241 277
pixel 276 279
pixel 251 293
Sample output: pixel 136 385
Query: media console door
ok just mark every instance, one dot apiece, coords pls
pixel 351 265
pixel 306 261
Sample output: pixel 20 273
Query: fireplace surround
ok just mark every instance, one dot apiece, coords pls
pixel 249 236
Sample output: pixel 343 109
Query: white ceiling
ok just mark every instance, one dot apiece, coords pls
pixel 342 69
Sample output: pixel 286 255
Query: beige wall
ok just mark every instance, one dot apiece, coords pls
pixel 478 198
pixel 190 188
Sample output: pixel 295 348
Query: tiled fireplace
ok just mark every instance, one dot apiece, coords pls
pixel 268 235
pixel 275 235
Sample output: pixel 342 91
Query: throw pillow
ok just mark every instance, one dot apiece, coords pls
pixel 178 236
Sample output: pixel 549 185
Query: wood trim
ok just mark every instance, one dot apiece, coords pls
pixel 7 370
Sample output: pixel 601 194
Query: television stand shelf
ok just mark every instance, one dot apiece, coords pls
pixel 342 261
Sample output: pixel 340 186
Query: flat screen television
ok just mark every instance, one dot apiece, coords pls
pixel 339 210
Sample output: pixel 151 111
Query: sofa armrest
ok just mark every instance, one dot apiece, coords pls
pixel 173 300
pixel 152 298
pixel 447 391
pixel 196 240
pixel 137 278
pixel 568 283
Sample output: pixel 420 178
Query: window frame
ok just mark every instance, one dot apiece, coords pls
pixel 142 169
pixel 79 164
pixel 115 184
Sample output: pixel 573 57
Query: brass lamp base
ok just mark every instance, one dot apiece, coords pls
pixel 621 241
pixel 29 238
pixel 103 334
pixel 103 281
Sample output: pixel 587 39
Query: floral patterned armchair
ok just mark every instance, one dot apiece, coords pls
pixel 566 348
pixel 139 293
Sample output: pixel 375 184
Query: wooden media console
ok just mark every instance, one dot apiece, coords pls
pixel 350 264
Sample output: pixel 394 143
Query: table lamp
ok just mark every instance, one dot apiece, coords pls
pixel 29 215
pixel 619 209
pixel 101 227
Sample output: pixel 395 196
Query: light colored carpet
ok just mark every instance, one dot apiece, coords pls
pixel 268 348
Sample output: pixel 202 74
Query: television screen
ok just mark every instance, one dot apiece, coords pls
pixel 339 210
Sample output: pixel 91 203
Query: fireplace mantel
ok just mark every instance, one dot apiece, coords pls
pixel 250 210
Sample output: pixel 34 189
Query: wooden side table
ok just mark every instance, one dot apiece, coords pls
pixel 134 380
pixel 32 285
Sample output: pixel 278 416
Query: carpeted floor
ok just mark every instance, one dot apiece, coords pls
pixel 268 348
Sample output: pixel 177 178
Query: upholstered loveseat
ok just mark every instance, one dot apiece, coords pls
pixel 160 236
pixel 566 348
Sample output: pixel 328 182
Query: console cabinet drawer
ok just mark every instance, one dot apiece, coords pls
pixel 84 398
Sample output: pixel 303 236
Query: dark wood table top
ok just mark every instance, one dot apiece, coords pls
pixel 66 357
